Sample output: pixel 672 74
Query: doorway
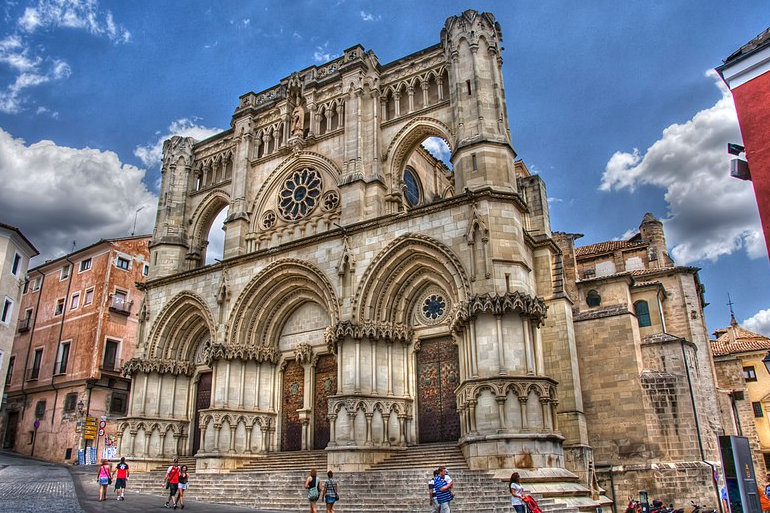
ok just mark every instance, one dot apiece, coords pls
pixel 438 374
pixel 203 401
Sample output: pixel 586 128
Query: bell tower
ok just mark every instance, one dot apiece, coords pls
pixel 483 156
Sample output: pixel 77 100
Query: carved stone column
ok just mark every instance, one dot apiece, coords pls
pixel 385 426
pixel 162 453
pixel 472 415
pixel 231 449
pixel 217 429
pixel 203 439
pixel 501 400
pixel 523 400
pixel 369 417
pixel 332 430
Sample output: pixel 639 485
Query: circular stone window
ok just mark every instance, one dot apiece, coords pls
pixel 433 307
pixel 411 188
pixel 300 194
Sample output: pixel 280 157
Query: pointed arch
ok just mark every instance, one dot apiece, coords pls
pixel 408 138
pixel 202 219
pixel 407 266
pixel 183 323
pixel 272 296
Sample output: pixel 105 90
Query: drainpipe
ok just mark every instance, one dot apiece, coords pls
pixel 58 344
pixel 697 424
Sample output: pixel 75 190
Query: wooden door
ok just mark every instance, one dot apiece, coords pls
pixel 438 374
pixel 202 402
pixel 325 385
pixel 10 430
pixel 293 391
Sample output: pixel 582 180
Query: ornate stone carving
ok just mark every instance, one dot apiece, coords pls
pixel 390 332
pixel 498 304
pixel 303 353
pixel 159 365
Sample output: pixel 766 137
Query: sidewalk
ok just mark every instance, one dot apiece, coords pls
pixel 84 479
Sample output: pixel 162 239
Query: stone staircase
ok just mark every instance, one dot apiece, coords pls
pixel 398 484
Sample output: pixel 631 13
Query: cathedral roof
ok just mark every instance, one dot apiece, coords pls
pixel 607 247
pixel 740 340
pixel 758 42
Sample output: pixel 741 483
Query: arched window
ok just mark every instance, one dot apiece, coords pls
pixel 593 298
pixel 642 310
pixel 411 188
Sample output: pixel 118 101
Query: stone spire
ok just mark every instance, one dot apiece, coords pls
pixel 651 231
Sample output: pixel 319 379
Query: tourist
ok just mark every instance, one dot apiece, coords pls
pixel 443 490
pixel 183 477
pixel 330 492
pixel 432 492
pixel 121 476
pixel 171 481
pixel 517 494
pixel 313 490
pixel 104 479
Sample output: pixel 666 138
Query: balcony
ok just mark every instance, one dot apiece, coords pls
pixel 33 373
pixel 25 325
pixel 120 306
pixel 112 366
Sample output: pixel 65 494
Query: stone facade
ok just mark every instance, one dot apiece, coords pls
pixel 371 298
pixel 79 325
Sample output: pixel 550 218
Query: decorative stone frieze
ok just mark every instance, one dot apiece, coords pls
pixel 499 304
pixel 159 365
pixel 390 332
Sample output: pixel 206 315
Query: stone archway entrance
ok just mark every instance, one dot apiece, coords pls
pixel 293 392
pixel 438 374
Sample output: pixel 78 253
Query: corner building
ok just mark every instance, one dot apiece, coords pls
pixel 369 298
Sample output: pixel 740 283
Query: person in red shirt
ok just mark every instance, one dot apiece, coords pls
pixel 121 476
pixel 171 481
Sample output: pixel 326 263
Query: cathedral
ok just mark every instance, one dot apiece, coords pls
pixel 371 297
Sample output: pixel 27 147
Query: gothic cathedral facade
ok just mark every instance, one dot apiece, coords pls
pixel 369 297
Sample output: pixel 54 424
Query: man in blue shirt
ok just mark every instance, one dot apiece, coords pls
pixel 443 490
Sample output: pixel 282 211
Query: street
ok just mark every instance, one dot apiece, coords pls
pixel 28 485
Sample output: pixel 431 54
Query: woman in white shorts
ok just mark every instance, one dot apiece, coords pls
pixel 183 477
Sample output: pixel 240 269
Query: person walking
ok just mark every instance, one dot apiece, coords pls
pixel 313 490
pixel 443 490
pixel 330 493
pixel 432 492
pixel 104 479
pixel 517 494
pixel 171 481
pixel 121 476
pixel 183 478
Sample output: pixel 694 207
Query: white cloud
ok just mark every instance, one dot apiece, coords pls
pixel 439 149
pixel 79 14
pixel 710 214
pixel 367 16
pixel 322 53
pixel 627 234
pixel 759 323
pixel 56 194
pixel 151 153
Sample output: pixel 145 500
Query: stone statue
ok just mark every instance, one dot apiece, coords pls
pixel 298 121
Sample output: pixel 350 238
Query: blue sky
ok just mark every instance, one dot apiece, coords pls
pixel 612 103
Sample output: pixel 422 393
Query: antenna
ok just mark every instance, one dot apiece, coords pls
pixel 73 246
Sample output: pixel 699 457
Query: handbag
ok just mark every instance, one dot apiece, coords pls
pixel 109 480
pixel 313 492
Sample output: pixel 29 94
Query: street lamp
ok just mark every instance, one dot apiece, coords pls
pixel 80 407
pixel 136 214
pixel 766 361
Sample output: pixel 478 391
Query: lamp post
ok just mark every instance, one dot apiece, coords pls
pixel 136 214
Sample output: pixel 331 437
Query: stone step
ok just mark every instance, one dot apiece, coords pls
pixel 425 456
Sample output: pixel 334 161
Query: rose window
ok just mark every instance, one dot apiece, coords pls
pixel 434 307
pixel 300 194
pixel 268 219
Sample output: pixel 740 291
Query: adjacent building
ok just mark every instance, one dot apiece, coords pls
pixel 15 254
pixel 78 324
pixel 747 73
pixel 744 383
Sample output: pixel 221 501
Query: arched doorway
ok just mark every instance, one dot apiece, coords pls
pixel 293 392
pixel 202 401
pixel 325 386
pixel 438 375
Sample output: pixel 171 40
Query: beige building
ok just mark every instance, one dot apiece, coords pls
pixel 15 254
pixel 371 298
pixel 744 383
pixel 78 326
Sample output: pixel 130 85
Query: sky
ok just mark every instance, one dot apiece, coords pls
pixel 614 104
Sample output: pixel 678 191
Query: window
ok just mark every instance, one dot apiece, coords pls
pixel 757 406
pixel 766 457
pixel 85 265
pixel 36 284
pixel 89 297
pixel 75 300
pixel 111 361
pixel 65 273
pixel 123 263
pixel 593 298
pixel 70 402
pixel 411 188
pixel 146 270
pixel 9 374
pixel 61 361
pixel 749 374
pixel 40 410
pixel 118 403
pixel 642 310
pixel 26 286
pixel 36 360
pixel 119 303
pixel 59 307
pixel 5 317
pixel 26 322
pixel 16 267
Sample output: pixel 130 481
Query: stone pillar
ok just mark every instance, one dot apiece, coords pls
pixel 358 367
pixel 332 430
pixel 369 429
pixel 401 433
pixel 527 346
pixel 352 427
pixel 173 396
pixel 242 390
pixel 144 394
pixel 523 405
pixel 203 439
pixel 385 426
pixel 227 384
pixel 249 433
pixel 474 356
pixel 217 429
pixel 472 416
pixel 500 350
pixel 162 452
pixel 132 443
pixel 231 449
pixel 501 400
pixel 544 406
pixel 390 367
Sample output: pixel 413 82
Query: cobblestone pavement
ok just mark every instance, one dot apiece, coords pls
pixel 28 485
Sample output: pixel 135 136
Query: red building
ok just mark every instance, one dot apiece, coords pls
pixel 747 73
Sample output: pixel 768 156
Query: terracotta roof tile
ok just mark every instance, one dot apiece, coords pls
pixel 607 247
pixel 745 342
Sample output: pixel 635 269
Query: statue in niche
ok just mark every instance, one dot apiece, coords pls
pixel 298 120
